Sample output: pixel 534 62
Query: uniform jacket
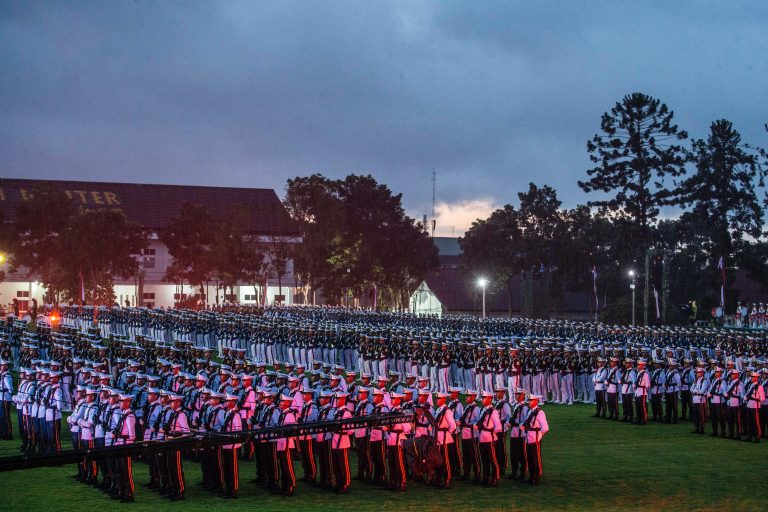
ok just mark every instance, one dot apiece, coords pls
pixel 535 425
pixel 445 425
pixel 340 439
pixel 488 425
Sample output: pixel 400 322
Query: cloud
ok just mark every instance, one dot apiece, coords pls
pixel 453 219
pixel 491 95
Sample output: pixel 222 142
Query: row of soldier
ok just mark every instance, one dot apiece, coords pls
pixel 106 416
pixel 179 324
pixel 728 396
pixel 560 372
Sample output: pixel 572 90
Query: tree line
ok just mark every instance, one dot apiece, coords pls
pixel 643 162
pixel 359 247
pixel 358 243
pixel 355 245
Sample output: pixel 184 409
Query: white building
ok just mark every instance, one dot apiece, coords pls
pixel 153 207
pixel 425 302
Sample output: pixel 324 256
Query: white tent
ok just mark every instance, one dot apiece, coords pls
pixel 425 302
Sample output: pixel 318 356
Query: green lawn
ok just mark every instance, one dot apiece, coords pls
pixel 588 464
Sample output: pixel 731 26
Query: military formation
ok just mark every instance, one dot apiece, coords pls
pixel 754 316
pixel 122 391
pixel 473 387
pixel 717 389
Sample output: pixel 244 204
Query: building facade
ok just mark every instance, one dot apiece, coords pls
pixel 153 207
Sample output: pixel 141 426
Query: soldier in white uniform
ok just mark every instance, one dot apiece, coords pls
pixel 87 424
pixel 657 388
pixel 124 433
pixel 517 458
pixel 395 436
pixel 445 426
pixel 54 404
pixel 642 386
pixel 363 407
pixel 74 426
pixel 377 440
pixel 233 422
pixel 716 390
pixel 6 397
pixel 340 443
pixel 673 381
pixel 754 395
pixel 176 424
pixel 613 388
pixel 469 450
pixel 535 427
pixel 627 387
pixel 322 440
pixel 734 395
pixel 501 404
pixel 699 392
pixel 487 429
pixel 22 399
pixel 598 382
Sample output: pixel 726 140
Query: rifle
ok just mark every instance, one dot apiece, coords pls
pixel 118 430
pixel 526 426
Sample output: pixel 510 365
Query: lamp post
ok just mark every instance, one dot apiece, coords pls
pixel 482 282
pixel 632 287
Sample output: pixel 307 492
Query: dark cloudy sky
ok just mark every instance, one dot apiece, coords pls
pixel 491 95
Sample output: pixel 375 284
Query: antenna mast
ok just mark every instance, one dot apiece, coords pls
pixel 434 186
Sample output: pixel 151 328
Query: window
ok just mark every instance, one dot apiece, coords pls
pixel 149 296
pixel 149 258
pixel 179 296
pixel 249 298
pixel 22 293
pixel 23 305
pixel 230 297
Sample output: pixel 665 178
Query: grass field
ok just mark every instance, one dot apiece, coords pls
pixel 588 464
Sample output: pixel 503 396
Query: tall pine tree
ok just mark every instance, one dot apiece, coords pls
pixel 639 148
pixel 725 210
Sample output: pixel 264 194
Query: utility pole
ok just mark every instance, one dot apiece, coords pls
pixel 632 288
pixel 483 282
pixel 664 287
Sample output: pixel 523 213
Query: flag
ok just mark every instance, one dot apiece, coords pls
pixel 375 295
pixel 82 289
pixel 721 266
pixel 594 288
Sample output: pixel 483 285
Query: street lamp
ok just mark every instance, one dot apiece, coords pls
pixel 632 287
pixel 482 282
